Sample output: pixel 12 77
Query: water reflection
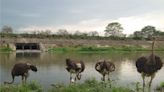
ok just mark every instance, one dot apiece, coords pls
pixel 51 67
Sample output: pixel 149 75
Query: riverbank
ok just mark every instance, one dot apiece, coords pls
pixel 79 44
pixel 91 49
pixel 90 85
pixel 101 49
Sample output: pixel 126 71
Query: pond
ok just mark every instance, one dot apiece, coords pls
pixel 51 67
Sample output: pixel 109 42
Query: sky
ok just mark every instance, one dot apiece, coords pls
pixel 82 15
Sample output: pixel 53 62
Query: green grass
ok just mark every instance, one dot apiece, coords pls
pixel 92 49
pixel 162 84
pixel 100 49
pixel 160 88
pixel 5 49
pixel 31 87
pixel 90 85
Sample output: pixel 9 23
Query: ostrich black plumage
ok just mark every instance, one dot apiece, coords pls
pixel 21 69
pixel 75 67
pixel 104 68
pixel 148 66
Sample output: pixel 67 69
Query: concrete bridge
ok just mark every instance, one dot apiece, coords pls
pixel 22 45
pixel 27 46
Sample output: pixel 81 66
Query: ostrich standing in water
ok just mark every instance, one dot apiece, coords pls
pixel 75 67
pixel 148 66
pixel 104 68
pixel 21 69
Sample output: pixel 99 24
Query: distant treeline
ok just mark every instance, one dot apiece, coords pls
pixel 113 31
pixel 71 36
pixel 56 36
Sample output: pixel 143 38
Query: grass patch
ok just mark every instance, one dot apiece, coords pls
pixel 160 88
pixel 31 87
pixel 90 85
pixel 5 49
pixel 100 49
pixel 162 84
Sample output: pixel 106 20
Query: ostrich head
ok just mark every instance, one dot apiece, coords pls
pixel 32 67
pixel 68 61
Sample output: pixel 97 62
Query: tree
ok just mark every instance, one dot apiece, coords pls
pixel 148 31
pixel 7 30
pixel 93 33
pixel 62 32
pixel 158 33
pixel 78 33
pixel 137 35
pixel 114 29
pixel 46 32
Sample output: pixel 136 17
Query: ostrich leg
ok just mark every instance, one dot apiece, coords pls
pixel 108 77
pixel 78 75
pixel 143 77
pixel 25 76
pixel 70 77
pixel 22 79
pixel 75 79
pixel 152 77
pixel 109 81
pixel 103 78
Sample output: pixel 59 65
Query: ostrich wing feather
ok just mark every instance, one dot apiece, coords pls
pixel 159 63
pixel 140 63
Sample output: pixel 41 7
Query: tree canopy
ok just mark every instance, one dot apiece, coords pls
pixel 147 32
pixel 114 29
pixel 7 30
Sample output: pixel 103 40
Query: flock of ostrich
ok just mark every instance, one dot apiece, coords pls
pixel 146 66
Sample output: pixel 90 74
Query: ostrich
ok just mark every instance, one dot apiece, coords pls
pixel 74 67
pixel 148 66
pixel 104 68
pixel 21 69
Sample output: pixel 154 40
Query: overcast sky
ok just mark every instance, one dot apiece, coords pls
pixel 83 15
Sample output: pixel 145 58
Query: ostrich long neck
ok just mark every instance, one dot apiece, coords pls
pixel 153 48
pixel 152 56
